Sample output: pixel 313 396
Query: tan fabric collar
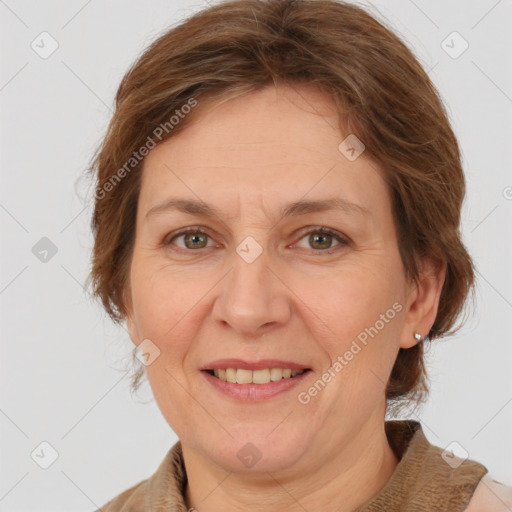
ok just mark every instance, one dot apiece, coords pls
pixel 422 481
pixel 426 478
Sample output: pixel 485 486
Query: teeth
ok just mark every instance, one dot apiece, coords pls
pixel 276 374
pixel 230 375
pixel 261 376
pixel 241 376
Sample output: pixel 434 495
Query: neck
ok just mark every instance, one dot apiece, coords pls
pixel 343 483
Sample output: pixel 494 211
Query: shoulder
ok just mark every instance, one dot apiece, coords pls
pixel 490 496
pixel 129 500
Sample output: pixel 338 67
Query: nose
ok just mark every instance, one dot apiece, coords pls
pixel 253 299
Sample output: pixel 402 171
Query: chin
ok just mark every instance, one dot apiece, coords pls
pixel 254 451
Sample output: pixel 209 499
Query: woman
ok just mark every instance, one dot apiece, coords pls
pixel 277 221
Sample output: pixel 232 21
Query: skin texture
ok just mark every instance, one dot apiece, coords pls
pixel 248 157
pixel 491 496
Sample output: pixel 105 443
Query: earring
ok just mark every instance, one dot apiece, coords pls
pixel 417 337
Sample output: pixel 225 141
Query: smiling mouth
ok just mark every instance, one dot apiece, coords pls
pixel 263 376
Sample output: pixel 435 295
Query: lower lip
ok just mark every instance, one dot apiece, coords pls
pixel 254 392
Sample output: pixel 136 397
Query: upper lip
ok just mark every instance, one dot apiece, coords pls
pixel 253 365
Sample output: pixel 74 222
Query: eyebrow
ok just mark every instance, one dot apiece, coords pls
pixel 302 207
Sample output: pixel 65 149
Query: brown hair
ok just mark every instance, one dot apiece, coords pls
pixel 383 95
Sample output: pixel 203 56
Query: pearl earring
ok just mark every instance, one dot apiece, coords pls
pixel 417 337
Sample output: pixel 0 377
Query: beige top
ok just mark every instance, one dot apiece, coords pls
pixel 422 481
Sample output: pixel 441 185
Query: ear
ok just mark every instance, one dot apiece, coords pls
pixel 131 326
pixel 132 329
pixel 422 302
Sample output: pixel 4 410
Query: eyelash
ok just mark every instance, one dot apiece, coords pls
pixel 343 241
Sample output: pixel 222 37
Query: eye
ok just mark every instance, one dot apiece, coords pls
pixel 193 238
pixel 322 238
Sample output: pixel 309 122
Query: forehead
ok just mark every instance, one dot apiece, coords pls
pixel 275 120
pixel 276 143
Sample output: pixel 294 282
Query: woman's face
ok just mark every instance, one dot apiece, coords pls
pixel 254 284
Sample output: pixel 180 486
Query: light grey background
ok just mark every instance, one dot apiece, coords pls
pixel 63 364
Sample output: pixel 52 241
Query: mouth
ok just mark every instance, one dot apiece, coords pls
pixel 254 385
pixel 261 376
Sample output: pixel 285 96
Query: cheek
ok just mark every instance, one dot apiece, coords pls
pixel 158 294
pixel 366 321
pixel 160 303
pixel 357 318
pixel 351 300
